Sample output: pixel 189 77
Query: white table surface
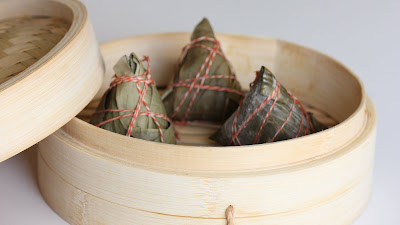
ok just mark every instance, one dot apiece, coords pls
pixel 364 35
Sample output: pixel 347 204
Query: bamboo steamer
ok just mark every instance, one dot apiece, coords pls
pixel 91 176
pixel 50 68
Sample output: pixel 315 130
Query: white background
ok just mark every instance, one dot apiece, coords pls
pixel 364 35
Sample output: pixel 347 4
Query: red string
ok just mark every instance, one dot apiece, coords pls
pixel 145 78
pixel 275 94
pixel 192 83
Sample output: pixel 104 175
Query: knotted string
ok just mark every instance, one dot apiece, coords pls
pixel 230 215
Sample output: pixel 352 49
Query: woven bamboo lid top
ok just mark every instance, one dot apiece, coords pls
pixel 50 69
pixel 24 40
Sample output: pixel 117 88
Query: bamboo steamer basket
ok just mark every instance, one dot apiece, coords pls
pixel 91 176
pixel 50 69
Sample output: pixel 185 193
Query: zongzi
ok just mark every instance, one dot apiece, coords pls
pixel 205 86
pixel 132 105
pixel 268 113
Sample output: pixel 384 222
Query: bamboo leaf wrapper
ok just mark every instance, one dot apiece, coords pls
pixel 268 113
pixel 122 100
pixel 214 98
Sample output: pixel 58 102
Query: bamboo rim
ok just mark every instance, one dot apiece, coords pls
pixel 370 128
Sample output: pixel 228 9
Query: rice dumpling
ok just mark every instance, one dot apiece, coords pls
pixel 132 105
pixel 205 86
pixel 268 113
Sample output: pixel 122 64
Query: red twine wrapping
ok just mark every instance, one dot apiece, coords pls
pixel 275 94
pixel 145 78
pixel 192 82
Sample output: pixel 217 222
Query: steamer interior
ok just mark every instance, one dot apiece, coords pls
pixel 315 79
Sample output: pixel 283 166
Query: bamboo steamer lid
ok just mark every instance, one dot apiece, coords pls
pixel 50 68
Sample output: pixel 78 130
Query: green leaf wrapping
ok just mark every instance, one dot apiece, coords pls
pixel 125 96
pixel 262 87
pixel 209 105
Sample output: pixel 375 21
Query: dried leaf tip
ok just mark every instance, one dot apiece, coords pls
pixel 129 66
pixel 267 80
pixel 203 29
